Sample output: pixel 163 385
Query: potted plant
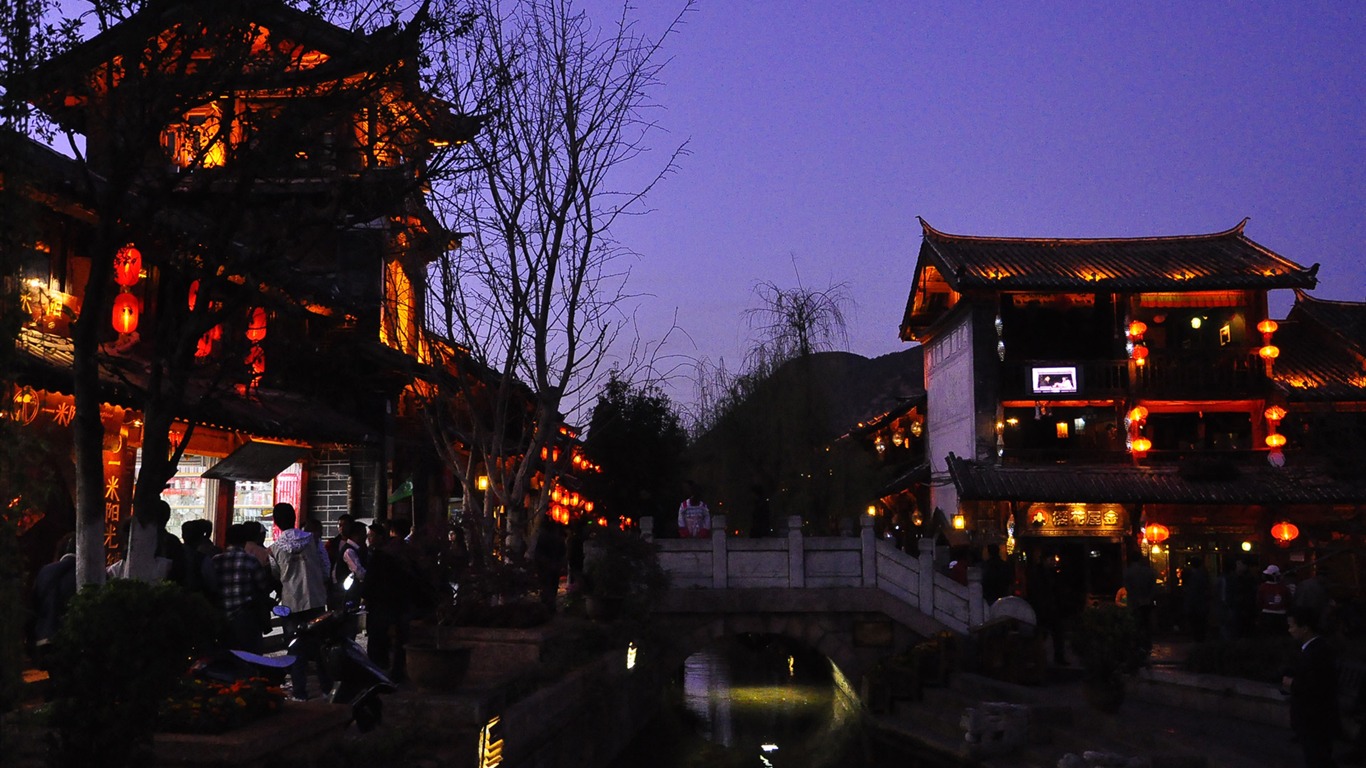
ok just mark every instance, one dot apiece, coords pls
pixel 1105 639
pixel 621 575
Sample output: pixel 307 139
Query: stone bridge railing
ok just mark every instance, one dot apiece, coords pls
pixel 797 561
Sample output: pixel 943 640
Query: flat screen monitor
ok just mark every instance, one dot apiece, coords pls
pixel 1053 380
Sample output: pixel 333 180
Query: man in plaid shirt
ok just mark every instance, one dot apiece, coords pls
pixel 241 584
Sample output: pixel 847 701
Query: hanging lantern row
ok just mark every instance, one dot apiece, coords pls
pixel 1136 418
pixel 127 308
pixel 1136 330
pixel 1269 352
pixel 581 462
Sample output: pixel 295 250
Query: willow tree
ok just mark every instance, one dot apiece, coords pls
pixel 532 297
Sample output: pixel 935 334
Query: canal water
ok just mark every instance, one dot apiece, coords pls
pixel 760 701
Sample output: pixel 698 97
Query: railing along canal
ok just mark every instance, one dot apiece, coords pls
pixel 797 561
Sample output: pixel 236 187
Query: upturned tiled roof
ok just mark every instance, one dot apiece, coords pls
pixel 1346 319
pixel 1316 364
pixel 1292 484
pixel 1225 260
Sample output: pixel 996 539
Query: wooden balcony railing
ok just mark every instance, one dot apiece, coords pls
pixel 1166 374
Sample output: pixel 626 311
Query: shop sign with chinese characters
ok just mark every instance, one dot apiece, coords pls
pixel 29 406
pixel 1076 520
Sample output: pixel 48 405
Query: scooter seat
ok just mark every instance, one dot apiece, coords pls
pixel 273 662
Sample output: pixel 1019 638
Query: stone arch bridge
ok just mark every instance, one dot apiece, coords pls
pixel 854 599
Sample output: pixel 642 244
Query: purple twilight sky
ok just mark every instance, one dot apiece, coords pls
pixel 819 131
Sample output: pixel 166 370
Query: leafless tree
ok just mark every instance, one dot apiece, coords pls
pixel 533 296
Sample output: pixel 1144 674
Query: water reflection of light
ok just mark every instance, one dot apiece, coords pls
pixel 706 679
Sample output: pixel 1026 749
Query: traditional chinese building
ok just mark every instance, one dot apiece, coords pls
pixel 261 173
pixel 1092 397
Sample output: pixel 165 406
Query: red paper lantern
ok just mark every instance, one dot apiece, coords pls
pixel 1267 326
pixel 1284 532
pixel 256 361
pixel 256 329
pixel 1140 352
pixel 1269 352
pixel 1142 445
pixel 1136 329
pixel 126 311
pixel 1156 533
pixel 127 266
pixel 1275 440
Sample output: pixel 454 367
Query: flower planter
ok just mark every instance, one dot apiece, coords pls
pixel 438 669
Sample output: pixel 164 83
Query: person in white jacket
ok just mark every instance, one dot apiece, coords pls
pixel 299 564
pixel 694 517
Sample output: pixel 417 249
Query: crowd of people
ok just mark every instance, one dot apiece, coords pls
pixel 301 570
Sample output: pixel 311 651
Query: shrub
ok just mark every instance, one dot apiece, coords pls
pixel 1106 640
pixel 121 648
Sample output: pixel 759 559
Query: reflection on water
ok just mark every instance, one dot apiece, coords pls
pixel 758 701
pixel 767 703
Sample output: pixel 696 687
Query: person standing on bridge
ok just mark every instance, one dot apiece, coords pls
pixel 694 517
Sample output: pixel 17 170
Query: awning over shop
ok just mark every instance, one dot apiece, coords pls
pixel 258 460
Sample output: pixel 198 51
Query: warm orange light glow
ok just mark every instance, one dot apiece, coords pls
pixel 481 483
pixel 1284 532
pixel 1142 445
pixel 1140 352
pixel 1061 429
pixel 1138 413
pixel 126 311
pixel 256 361
pixel 204 347
pixel 1269 352
pixel 588 506
pixel 959 522
pixel 1156 533
pixel 193 296
pixel 556 495
pixel 1275 440
pixel 256 329
pixel 128 266
pixel 1136 329
pixel 1267 326
pixel 1274 413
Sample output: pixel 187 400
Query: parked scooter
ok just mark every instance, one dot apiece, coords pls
pixel 356 680
pixel 230 666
